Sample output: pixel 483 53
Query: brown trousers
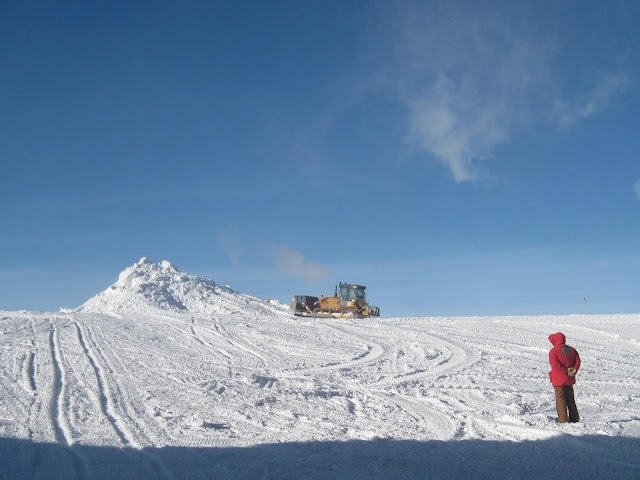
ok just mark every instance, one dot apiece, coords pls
pixel 566 404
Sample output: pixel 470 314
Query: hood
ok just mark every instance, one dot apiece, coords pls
pixel 557 338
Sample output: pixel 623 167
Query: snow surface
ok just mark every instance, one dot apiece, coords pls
pixel 168 376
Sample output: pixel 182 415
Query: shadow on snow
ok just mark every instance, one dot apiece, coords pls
pixel 578 457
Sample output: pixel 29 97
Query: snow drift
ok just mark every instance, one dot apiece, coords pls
pixel 161 286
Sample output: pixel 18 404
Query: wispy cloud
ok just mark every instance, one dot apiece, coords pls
pixel 447 122
pixel 464 75
pixel 292 261
pixel 607 86
pixel 471 76
pixel 230 245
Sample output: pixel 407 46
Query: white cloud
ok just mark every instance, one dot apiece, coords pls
pixel 470 76
pixel 292 261
pixel 465 76
pixel 446 122
pixel 607 86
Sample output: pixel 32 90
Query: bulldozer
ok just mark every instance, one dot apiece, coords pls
pixel 348 301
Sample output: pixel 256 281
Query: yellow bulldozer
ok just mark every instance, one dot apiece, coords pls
pixel 348 301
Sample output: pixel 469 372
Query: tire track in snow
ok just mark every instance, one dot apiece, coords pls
pixel 193 335
pixel 104 393
pixel 61 430
pixel 450 358
pixel 432 357
pixel 30 379
pixel 222 333
pixel 371 355
pixel 116 399
pixel 486 401
pixel 28 367
pixel 110 402
pixel 476 411
pixel 130 408
pixel 442 355
pixel 436 424
pixel 30 372
pixel 218 332
pixel 56 406
pixel 43 325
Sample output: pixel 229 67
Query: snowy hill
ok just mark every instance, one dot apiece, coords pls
pixel 169 376
pixel 148 286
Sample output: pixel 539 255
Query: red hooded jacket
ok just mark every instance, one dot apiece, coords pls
pixel 561 358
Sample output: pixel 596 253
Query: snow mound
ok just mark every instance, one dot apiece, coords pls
pixel 148 286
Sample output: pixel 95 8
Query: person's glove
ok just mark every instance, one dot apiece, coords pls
pixel 571 371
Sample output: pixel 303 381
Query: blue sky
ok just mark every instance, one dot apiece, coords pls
pixel 458 158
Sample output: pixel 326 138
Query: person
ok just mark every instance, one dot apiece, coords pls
pixel 565 363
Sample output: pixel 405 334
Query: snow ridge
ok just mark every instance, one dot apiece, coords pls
pixel 147 285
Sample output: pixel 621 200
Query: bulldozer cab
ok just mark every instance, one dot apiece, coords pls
pixel 350 293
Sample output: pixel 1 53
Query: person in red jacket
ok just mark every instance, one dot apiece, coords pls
pixel 565 363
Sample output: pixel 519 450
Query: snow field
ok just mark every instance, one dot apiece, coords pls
pixel 240 389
